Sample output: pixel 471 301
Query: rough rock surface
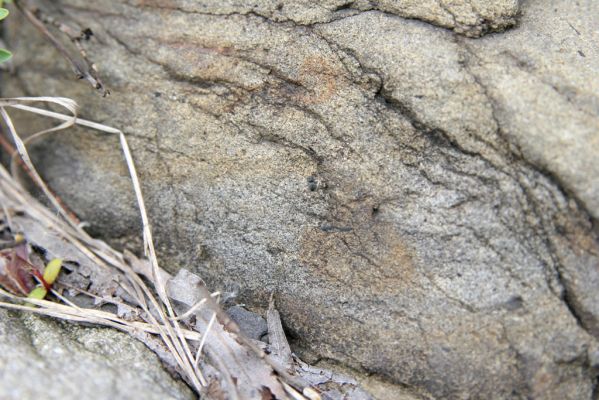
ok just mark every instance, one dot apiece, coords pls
pixel 251 325
pixel 423 204
pixel 41 358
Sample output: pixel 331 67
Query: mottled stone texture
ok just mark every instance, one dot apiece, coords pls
pixel 44 359
pixel 422 203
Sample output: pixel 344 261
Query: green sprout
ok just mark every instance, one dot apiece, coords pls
pixel 52 270
pixel 38 293
pixel 5 55
pixel 50 274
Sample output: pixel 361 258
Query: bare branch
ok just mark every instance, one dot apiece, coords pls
pixel 84 68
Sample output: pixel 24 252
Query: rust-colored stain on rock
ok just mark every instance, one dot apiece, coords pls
pixel 370 255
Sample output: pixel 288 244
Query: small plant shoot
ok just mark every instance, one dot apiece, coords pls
pixel 5 55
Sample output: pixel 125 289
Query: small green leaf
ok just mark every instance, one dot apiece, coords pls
pixel 52 270
pixel 3 13
pixel 5 55
pixel 38 293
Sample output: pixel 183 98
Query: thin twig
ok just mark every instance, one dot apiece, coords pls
pixel 22 150
pixel 87 71
pixel 12 152
pixel 204 337
pixel 192 310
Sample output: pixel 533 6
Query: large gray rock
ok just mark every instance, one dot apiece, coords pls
pixel 421 203
pixel 41 358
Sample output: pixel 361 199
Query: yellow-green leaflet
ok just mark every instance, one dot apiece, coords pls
pixel 52 270
pixel 38 293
